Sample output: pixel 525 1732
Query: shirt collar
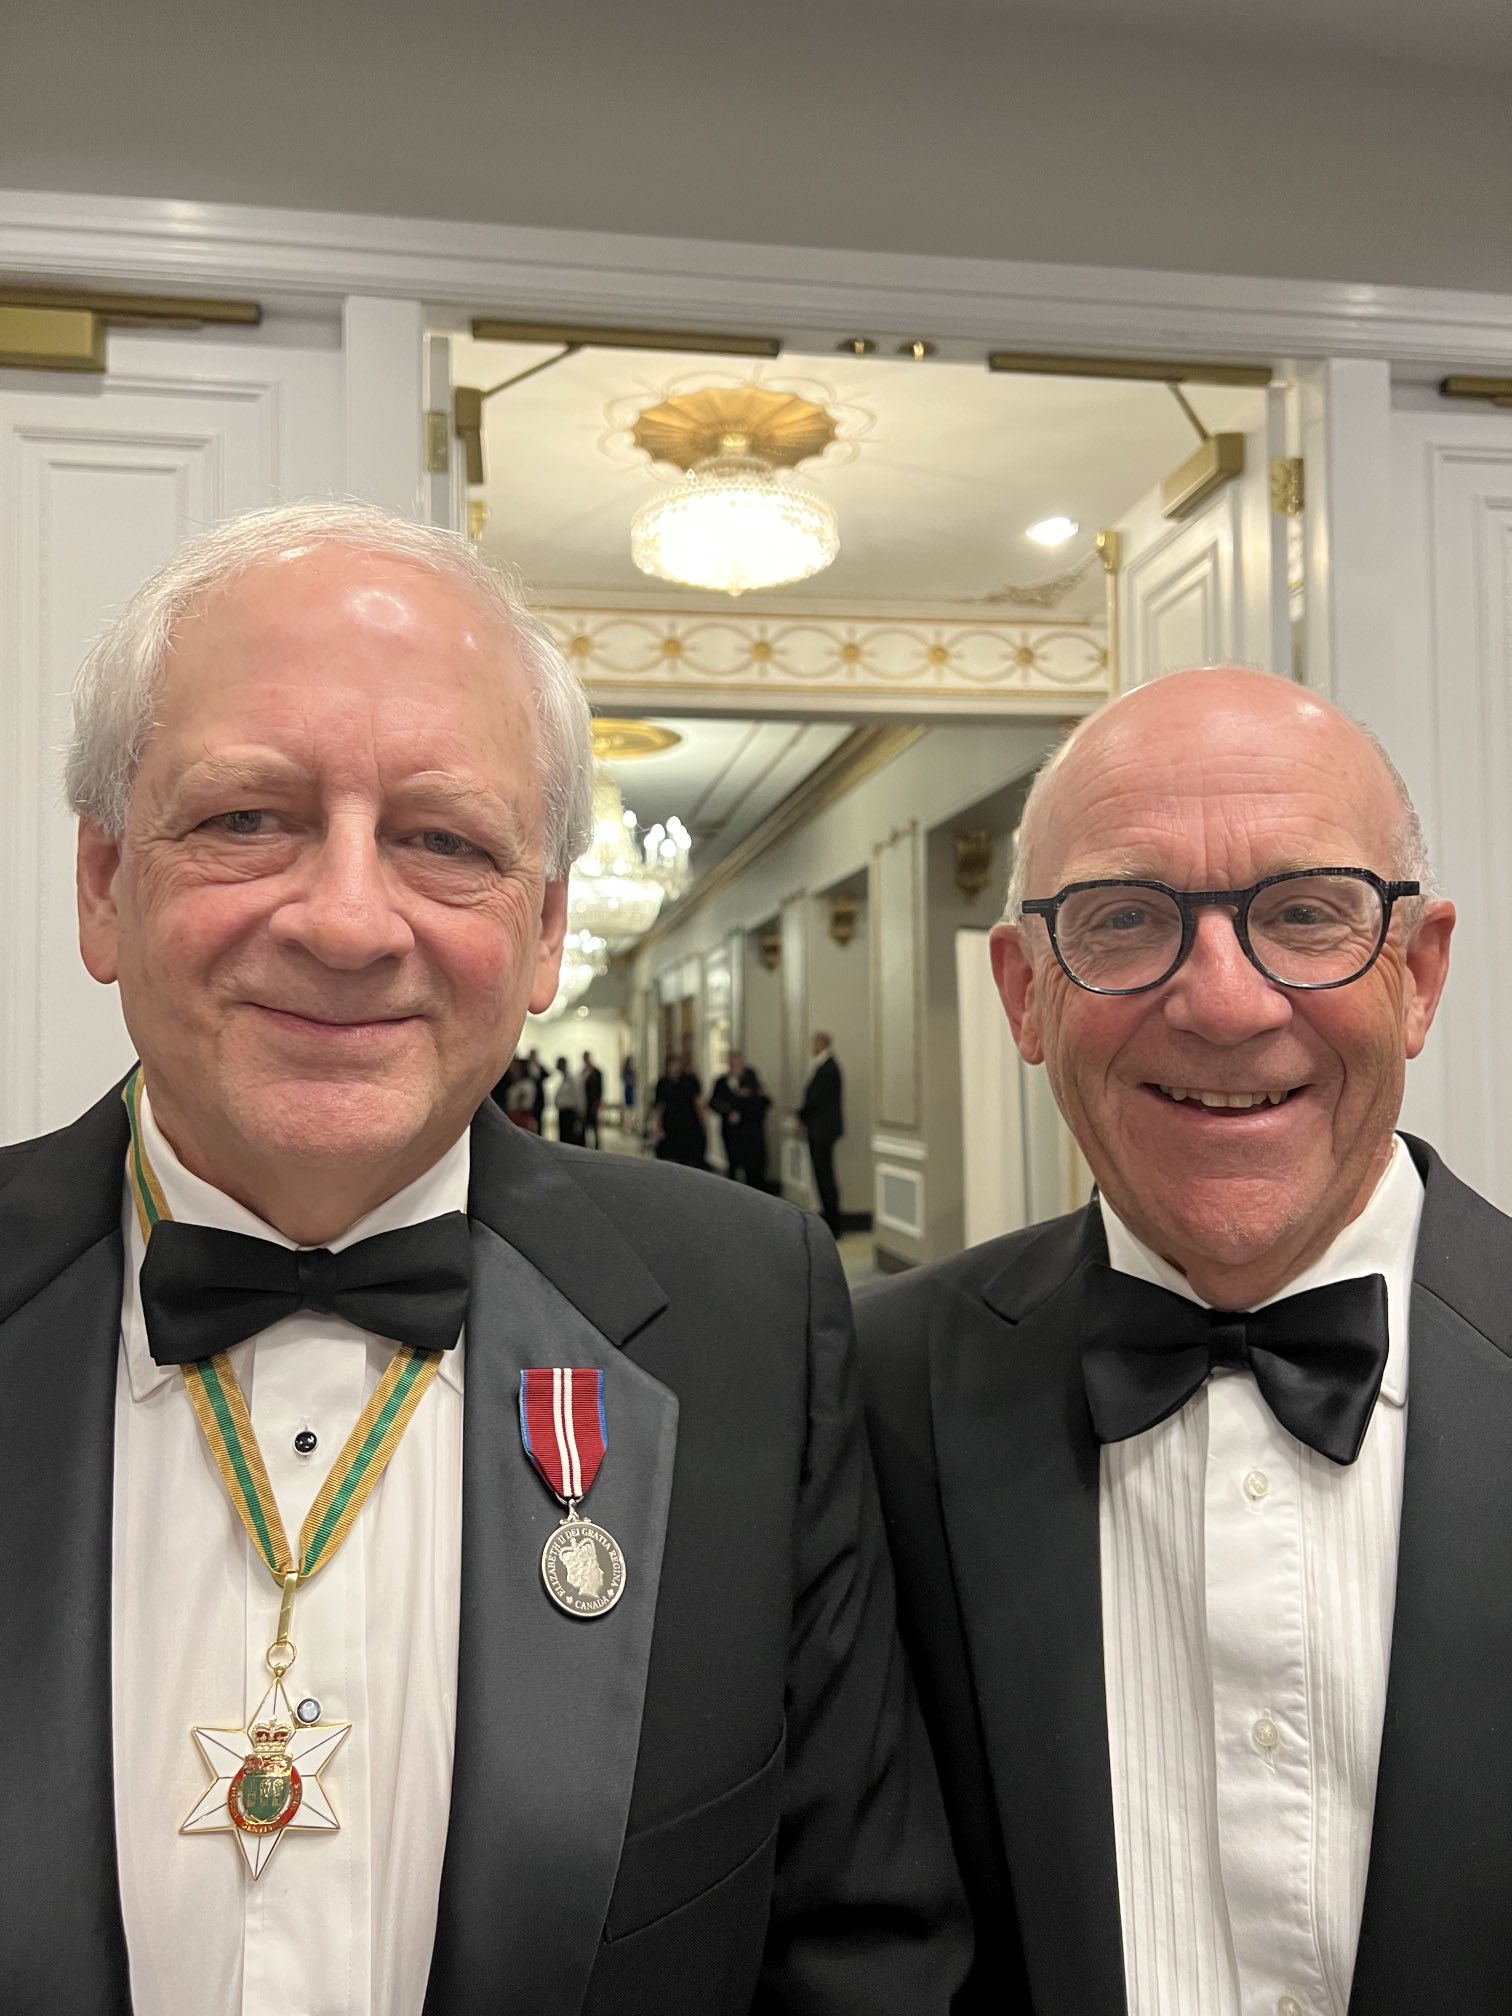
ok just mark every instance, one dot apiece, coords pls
pixel 1382 1240
pixel 193 1201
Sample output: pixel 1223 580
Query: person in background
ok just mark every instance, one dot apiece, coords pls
pixel 567 1101
pixel 821 1118
pixel 538 1077
pixel 1202 1496
pixel 737 1097
pixel 519 1096
pixel 679 1129
pixel 628 1087
pixel 591 1080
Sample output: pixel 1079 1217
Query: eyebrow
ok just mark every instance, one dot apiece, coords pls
pixel 249 775
pixel 238 774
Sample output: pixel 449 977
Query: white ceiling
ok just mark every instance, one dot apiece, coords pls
pixel 724 777
pixel 1450 31
pixel 939 470
pixel 1363 140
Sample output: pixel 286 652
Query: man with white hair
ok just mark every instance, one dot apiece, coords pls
pixel 321 1391
pixel 1201 1498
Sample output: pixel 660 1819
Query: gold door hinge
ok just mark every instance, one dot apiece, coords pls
pixel 1288 491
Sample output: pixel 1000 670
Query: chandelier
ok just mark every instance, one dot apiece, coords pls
pixel 584 958
pixel 735 524
pixel 618 887
pixel 737 520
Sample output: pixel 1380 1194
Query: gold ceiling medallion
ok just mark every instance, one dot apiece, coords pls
pixel 779 428
pixel 737 520
pixel 619 740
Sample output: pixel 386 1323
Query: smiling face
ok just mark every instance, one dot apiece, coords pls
pixel 329 911
pixel 1211 780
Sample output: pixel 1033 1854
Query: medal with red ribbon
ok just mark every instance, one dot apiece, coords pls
pixel 565 1431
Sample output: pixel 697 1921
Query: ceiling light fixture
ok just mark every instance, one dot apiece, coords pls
pixel 617 888
pixel 1052 531
pixel 737 521
pixel 584 958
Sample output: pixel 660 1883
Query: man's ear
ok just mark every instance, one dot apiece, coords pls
pixel 97 864
pixel 1013 970
pixel 548 961
pixel 1427 959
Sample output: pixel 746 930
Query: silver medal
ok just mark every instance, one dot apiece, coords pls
pixel 583 1569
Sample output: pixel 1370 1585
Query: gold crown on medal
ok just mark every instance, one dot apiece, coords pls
pixel 270 1737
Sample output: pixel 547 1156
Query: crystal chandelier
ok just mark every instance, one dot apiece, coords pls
pixel 735 523
pixel 618 887
pixel 584 958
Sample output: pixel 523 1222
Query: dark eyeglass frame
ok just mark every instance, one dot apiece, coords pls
pixel 1190 901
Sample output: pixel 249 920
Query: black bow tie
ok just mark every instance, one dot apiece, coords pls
pixel 1317 1357
pixel 204 1290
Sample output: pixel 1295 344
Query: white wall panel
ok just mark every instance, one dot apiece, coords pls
pixel 1445 710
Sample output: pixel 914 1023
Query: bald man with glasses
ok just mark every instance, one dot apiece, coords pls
pixel 1201 1497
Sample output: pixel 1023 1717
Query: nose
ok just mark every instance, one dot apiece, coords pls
pixel 1217 994
pixel 343 911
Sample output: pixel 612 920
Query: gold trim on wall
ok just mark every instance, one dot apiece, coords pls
pixel 799 657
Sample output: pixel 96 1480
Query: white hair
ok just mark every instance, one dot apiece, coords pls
pixel 1411 849
pixel 115 693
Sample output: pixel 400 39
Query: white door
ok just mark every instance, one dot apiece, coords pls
pixel 99 479
pixel 1444 707
pixel 1210 588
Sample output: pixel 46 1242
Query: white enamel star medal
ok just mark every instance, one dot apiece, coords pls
pixel 267 1777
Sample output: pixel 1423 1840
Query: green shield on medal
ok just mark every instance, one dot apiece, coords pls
pixel 266 1792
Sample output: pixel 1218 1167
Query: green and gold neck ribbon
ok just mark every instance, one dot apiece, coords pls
pixel 220 1407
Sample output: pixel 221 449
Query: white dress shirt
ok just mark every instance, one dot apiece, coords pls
pixel 1248 1585
pixel 338 1924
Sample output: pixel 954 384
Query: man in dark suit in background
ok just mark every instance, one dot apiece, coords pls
pixel 822 1118
pixel 737 1097
pixel 597 1740
pixel 593 1098
pixel 1219 1668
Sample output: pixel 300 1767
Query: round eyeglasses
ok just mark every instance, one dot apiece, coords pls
pixel 1308 928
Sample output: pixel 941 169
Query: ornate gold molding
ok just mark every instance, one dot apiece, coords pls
pixel 616 650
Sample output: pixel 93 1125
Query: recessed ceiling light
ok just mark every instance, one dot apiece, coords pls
pixel 1053 531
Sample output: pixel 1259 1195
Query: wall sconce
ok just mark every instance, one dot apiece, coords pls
pixel 843 912
pixel 770 950
pixel 973 862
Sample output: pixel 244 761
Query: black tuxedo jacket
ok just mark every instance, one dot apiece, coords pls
pixel 715 1798
pixel 989 1476
pixel 821 1111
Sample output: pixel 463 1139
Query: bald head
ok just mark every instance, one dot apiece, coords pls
pixel 1182 728
pixel 1234 1122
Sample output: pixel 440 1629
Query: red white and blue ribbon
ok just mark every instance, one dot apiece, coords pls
pixel 563 1427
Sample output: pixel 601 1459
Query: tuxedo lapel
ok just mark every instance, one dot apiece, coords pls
pixel 62 1945
pixel 1019 1485
pixel 548 1705
pixel 1435 1928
